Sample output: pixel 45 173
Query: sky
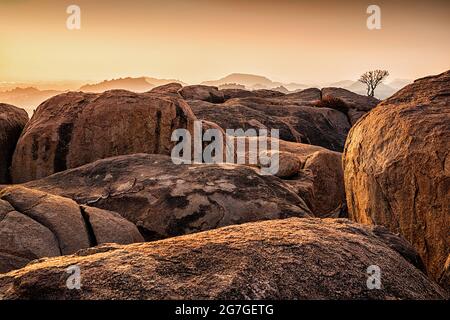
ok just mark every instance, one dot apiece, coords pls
pixel 198 40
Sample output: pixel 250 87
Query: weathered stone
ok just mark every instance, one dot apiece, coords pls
pixel 170 88
pixel 297 123
pixel 272 260
pixel 76 128
pixel 12 122
pixel 397 168
pixel 34 224
pixel 353 100
pixel 164 199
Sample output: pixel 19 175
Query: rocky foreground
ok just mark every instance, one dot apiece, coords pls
pixel 94 181
pixel 282 259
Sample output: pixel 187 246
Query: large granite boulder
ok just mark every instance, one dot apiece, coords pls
pixel 12 122
pixel 164 199
pixel 76 128
pixel 271 260
pixel 397 168
pixel 203 93
pixel 35 224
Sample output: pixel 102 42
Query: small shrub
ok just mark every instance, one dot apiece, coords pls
pixel 332 103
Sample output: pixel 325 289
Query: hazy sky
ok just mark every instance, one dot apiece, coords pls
pixel 286 40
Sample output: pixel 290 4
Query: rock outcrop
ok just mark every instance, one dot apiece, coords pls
pixel 76 128
pixel 12 122
pixel 320 182
pixel 165 200
pixel 34 224
pixel 358 105
pixel 282 259
pixel 303 97
pixel 170 88
pixel 237 93
pixel 312 172
pixel 203 93
pixel 397 168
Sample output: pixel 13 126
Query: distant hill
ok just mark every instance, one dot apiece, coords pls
pixel 160 82
pixel 27 98
pixel 247 80
pixel 30 95
pixel 141 84
pixel 58 85
pixel 341 84
pixel 383 91
pixel 399 83
pixel 281 89
pixel 231 86
pixel 253 82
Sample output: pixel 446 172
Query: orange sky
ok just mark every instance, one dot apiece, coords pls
pixel 286 40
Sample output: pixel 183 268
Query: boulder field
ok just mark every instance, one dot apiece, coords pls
pixel 94 180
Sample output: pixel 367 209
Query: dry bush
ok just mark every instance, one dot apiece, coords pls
pixel 332 103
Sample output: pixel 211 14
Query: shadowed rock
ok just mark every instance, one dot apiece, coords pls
pixel 203 93
pixel 34 224
pixel 12 122
pixel 280 259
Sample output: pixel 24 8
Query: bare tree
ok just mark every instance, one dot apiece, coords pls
pixel 372 79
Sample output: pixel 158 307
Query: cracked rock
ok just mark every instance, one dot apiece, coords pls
pixel 75 128
pixel 165 200
pixel 35 224
pixel 12 122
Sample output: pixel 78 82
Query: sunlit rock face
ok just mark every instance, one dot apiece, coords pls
pixel 397 168
pixel 76 128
